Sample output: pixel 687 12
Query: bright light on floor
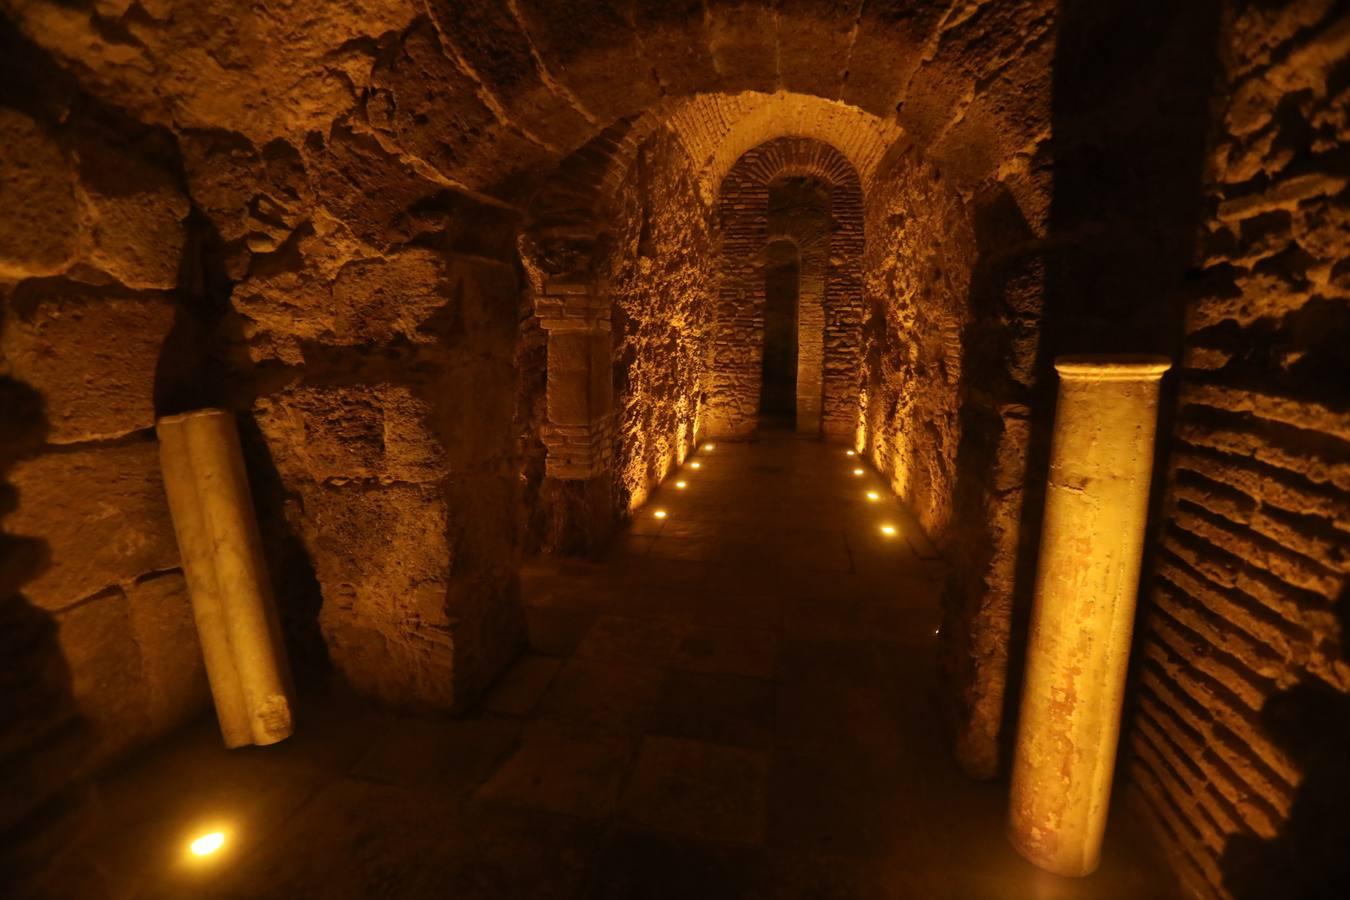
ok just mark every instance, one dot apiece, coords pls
pixel 850 453
pixel 709 446
pixel 681 484
pixel 857 471
pixel 207 843
pixel 660 513
pixel 888 530
pixel 696 465
pixel 873 496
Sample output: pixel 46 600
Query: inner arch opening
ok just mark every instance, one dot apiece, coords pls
pixel 782 295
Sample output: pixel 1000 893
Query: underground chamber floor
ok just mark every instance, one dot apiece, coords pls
pixel 737 702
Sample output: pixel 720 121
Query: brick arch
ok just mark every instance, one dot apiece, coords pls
pixel 830 313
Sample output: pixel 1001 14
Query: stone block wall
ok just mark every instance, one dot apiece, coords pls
pixel 390 437
pixel 1241 729
pixel 96 630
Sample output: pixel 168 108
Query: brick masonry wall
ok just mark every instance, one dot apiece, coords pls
pixel 1238 748
pixel 746 232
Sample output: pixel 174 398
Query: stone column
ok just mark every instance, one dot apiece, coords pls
pixel 580 429
pixel 1092 541
pixel 226 573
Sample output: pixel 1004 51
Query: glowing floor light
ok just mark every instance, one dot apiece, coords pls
pixel 660 513
pixel 709 446
pixel 888 530
pixel 857 471
pixel 873 496
pixel 850 453
pixel 681 485
pixel 207 844
pixel 696 465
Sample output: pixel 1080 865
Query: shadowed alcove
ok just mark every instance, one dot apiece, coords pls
pixel 782 298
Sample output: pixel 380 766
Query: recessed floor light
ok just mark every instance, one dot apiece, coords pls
pixel 888 530
pixel 873 496
pixel 696 465
pixel 857 471
pixel 681 484
pixel 660 513
pixel 709 446
pixel 207 844
pixel 851 452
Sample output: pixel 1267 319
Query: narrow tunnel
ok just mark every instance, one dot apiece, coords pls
pixel 662 450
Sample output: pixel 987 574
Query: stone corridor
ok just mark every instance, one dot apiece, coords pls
pixel 736 703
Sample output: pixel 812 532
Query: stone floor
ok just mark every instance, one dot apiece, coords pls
pixel 737 703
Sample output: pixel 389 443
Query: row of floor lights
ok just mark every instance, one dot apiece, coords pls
pixel 886 528
pixel 682 484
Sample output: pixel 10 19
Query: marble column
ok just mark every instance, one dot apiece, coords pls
pixel 1078 648
pixel 227 578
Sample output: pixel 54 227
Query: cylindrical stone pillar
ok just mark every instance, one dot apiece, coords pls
pixel 227 578
pixel 1092 542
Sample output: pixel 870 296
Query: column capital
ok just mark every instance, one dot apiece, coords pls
pixel 1112 367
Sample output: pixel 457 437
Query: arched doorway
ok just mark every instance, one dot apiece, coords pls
pixel 806 192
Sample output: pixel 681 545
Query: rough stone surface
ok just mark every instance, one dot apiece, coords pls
pixel 115 337
pixel 376 433
pixel 661 282
pixel 102 514
pixel 136 666
pixel 171 662
pixel 919 262
pixel 40 235
pixel 136 209
pixel 1239 740
pixel 381 555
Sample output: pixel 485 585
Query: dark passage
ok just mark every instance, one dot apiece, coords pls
pixel 782 274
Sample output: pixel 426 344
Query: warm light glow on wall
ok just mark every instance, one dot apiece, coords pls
pixel 207 844
pixel 860 433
